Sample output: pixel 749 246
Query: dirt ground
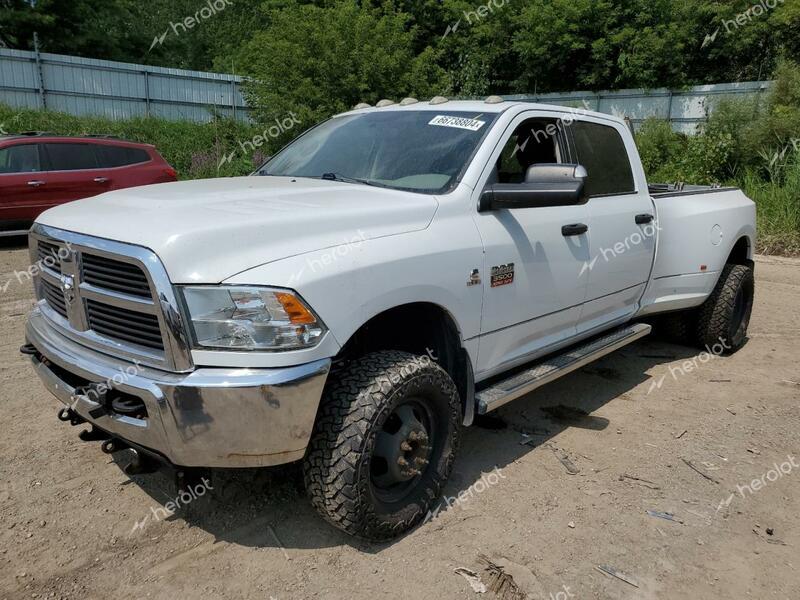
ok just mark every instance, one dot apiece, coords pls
pixel 654 427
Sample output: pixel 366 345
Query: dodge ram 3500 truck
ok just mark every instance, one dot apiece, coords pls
pixel 383 279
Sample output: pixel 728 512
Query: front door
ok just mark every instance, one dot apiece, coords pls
pixel 73 172
pixel 534 285
pixel 23 195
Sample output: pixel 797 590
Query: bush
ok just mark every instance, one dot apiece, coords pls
pixel 659 147
pixel 196 150
pixel 757 149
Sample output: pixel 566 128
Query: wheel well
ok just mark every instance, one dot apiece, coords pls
pixel 740 255
pixel 422 329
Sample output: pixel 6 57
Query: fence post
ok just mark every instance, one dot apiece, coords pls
pixel 233 97
pixel 669 107
pixel 146 93
pixel 39 71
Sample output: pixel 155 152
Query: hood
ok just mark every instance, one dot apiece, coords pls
pixel 206 231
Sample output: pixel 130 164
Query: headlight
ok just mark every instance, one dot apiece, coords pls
pixel 250 318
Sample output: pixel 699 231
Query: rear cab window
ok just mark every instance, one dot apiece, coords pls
pixel 601 150
pixel 21 158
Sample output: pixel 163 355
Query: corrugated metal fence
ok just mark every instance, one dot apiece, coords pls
pixel 84 86
pixel 685 109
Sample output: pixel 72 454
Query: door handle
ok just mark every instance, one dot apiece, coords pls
pixel 101 179
pixel 574 229
pixel 36 183
pixel 644 219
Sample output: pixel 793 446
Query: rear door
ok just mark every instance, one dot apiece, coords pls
pixel 22 188
pixel 125 166
pixel 74 172
pixel 622 225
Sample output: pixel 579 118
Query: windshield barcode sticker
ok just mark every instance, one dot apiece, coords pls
pixel 457 122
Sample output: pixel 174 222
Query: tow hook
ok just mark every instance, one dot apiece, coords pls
pixel 141 464
pixel 29 350
pixel 67 415
pixel 93 435
pixel 113 445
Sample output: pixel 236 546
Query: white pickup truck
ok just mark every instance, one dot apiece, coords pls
pixel 386 277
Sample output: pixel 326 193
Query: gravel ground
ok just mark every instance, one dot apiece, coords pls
pixel 654 427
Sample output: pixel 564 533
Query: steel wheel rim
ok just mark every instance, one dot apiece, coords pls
pixel 403 450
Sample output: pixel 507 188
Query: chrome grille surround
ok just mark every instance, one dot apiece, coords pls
pixel 73 319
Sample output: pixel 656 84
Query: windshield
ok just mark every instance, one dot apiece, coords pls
pixel 421 151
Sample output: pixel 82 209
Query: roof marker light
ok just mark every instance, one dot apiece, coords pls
pixel 383 103
pixel 408 101
pixel 439 100
pixel 494 100
pixel 362 105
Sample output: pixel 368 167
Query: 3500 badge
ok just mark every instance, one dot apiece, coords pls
pixel 503 275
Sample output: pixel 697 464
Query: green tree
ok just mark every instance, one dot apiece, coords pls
pixel 315 61
pixel 107 29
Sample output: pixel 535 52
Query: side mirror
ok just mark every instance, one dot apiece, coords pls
pixel 545 185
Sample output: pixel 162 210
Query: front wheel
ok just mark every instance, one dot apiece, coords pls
pixel 725 316
pixel 384 444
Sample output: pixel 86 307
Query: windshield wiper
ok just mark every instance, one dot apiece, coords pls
pixel 345 179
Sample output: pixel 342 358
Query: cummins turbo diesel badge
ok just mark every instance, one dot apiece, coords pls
pixel 503 275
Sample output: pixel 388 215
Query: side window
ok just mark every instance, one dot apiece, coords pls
pixel 71 157
pixel 20 159
pixel 536 141
pixel 601 150
pixel 120 156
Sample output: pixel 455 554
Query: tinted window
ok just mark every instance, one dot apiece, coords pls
pixel 20 159
pixel 601 150
pixel 119 156
pixel 71 157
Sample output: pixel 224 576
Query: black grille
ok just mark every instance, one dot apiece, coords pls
pixel 126 325
pixel 55 298
pixel 48 256
pixel 115 275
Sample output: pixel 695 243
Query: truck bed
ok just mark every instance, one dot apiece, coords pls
pixel 668 190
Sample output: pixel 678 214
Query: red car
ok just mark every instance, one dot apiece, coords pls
pixel 39 171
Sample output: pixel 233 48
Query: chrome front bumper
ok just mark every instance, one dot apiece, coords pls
pixel 211 417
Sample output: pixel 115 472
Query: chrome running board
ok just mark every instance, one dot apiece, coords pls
pixel 552 368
